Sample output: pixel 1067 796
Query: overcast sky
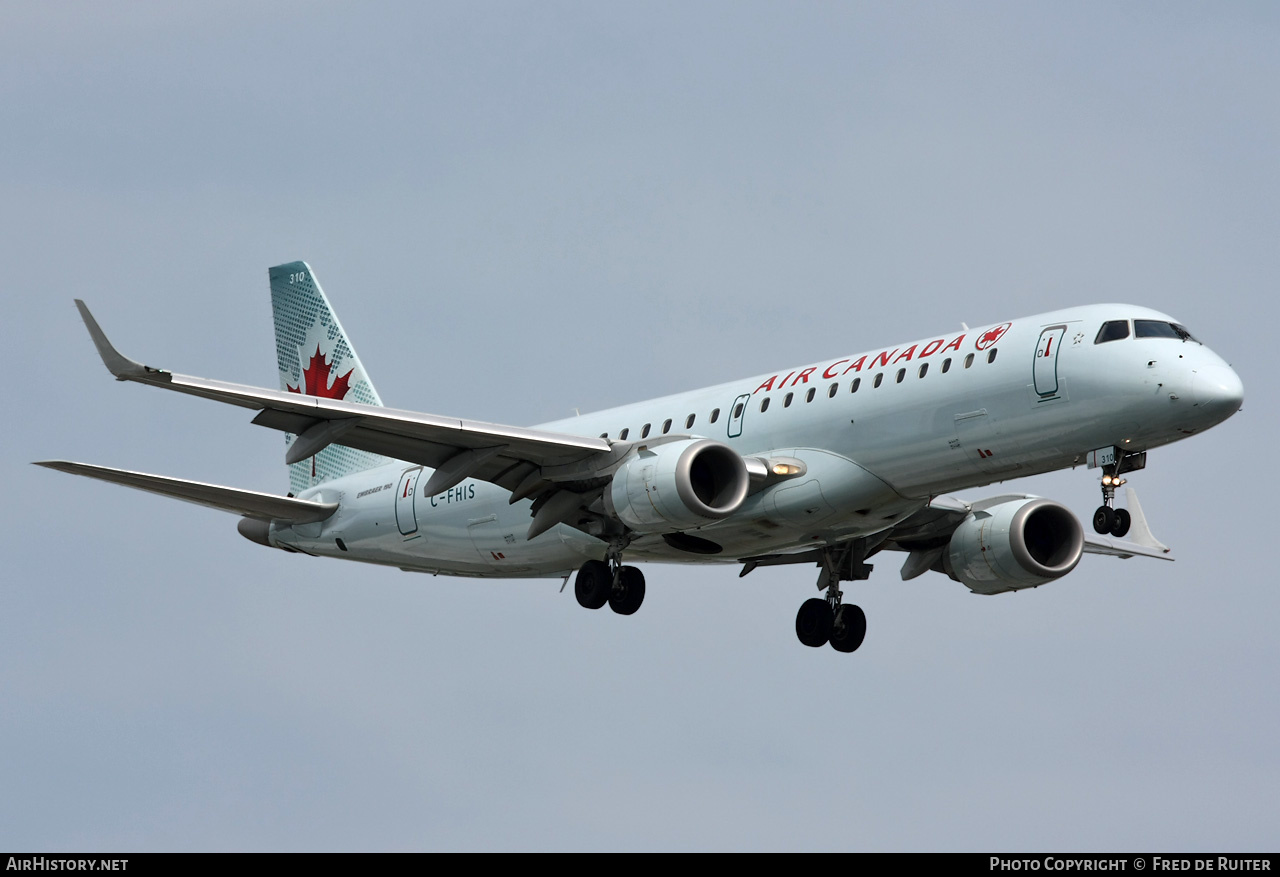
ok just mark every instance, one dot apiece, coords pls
pixel 522 208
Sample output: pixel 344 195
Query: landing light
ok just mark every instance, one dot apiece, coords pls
pixel 785 469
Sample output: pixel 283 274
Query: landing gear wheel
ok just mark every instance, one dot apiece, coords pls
pixel 1104 520
pixel 850 628
pixel 1121 526
pixel 593 584
pixel 814 622
pixel 627 597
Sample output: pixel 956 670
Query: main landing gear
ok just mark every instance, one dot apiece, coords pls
pixel 1108 518
pixel 823 620
pixel 608 581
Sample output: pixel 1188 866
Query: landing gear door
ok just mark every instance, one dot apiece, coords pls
pixel 736 413
pixel 406 513
pixel 1045 368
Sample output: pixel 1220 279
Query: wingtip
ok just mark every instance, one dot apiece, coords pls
pixel 119 365
pixel 1139 529
pixel 60 466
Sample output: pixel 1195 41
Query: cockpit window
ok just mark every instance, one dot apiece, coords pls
pixel 1160 329
pixel 1112 330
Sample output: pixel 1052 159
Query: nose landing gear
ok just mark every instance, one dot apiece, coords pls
pixel 1108 518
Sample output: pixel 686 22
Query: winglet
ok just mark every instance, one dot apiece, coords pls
pixel 1139 532
pixel 119 365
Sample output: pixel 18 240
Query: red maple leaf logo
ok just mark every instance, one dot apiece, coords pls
pixel 991 336
pixel 316 379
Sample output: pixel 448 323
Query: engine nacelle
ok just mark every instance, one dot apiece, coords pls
pixel 677 486
pixel 1016 544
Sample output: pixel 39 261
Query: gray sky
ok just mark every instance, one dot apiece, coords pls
pixel 518 209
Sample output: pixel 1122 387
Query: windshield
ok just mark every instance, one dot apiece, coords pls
pixel 1112 330
pixel 1160 329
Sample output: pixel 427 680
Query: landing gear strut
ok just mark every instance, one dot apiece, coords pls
pixel 823 620
pixel 608 581
pixel 1108 518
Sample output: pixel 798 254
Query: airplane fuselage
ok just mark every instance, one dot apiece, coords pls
pixel 878 434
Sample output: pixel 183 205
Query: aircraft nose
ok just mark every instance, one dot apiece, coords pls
pixel 1218 391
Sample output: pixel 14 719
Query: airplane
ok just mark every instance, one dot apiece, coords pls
pixel 829 463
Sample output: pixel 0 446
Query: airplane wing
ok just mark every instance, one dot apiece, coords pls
pixel 524 461
pixel 926 534
pixel 250 503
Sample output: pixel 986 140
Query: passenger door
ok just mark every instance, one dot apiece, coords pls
pixel 406 495
pixel 1044 370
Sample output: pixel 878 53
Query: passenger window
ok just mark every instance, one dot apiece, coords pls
pixel 1153 329
pixel 991 357
pixel 1112 330
pixel 764 404
pixel 666 426
pixel 644 433
pixel 786 400
pixel 857 382
pixel 622 436
pixel 879 378
pixel 737 411
pixel 832 390
pixel 808 397
pixel 924 369
pixel 715 414
pixel 688 422
pixel 968 360
pixel 902 373
pixel 946 365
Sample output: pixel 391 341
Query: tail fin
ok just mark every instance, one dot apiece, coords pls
pixel 315 358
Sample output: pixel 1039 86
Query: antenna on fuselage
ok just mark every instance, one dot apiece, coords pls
pixel 964 325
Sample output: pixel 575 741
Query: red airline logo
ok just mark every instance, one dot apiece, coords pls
pixel 991 336
pixel 316 379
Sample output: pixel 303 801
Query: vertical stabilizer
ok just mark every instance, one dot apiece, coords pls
pixel 316 358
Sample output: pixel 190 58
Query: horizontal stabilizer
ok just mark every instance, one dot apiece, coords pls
pixel 250 503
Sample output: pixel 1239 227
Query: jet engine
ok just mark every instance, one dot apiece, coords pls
pixel 1013 545
pixel 677 486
